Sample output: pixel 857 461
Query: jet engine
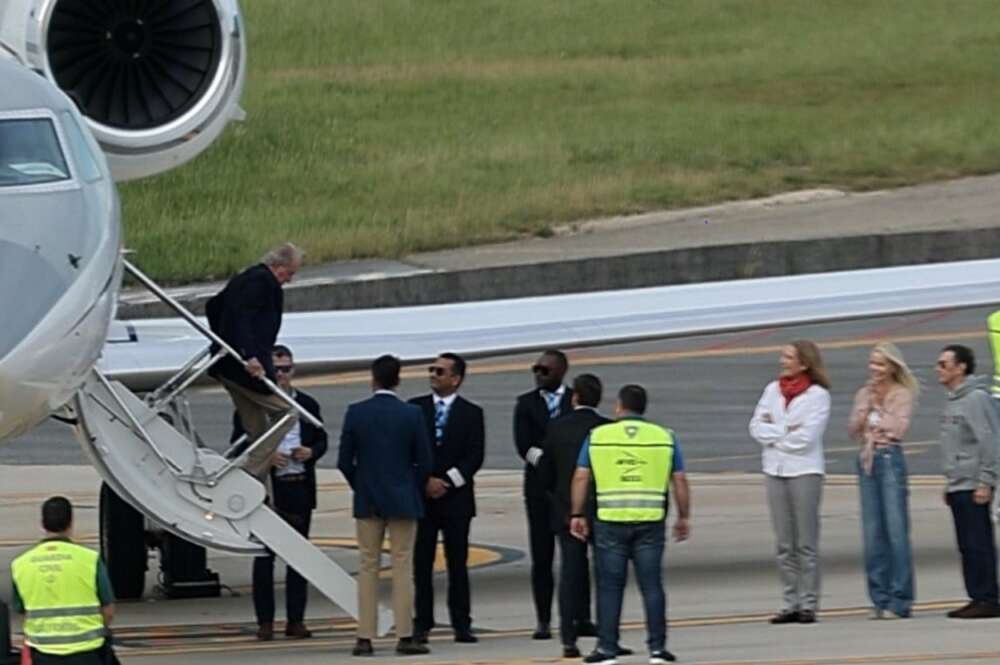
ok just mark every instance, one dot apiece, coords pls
pixel 158 80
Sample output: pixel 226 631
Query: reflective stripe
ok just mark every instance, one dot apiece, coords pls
pixel 44 640
pixel 630 503
pixel 635 491
pixel 63 612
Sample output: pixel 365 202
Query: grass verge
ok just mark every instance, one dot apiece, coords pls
pixel 379 128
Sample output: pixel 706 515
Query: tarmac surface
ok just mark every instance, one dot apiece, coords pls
pixel 705 388
pixel 722 585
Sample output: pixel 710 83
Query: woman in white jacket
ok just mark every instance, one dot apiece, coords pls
pixel 789 423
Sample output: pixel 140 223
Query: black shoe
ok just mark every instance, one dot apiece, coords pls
pixel 624 651
pixel 661 657
pixel 407 646
pixel 363 648
pixel 586 629
pixel 976 610
pixel 807 616
pixel 542 631
pixel 265 631
pixel 571 651
pixel 421 637
pixel 465 637
pixel 600 658
pixel 787 616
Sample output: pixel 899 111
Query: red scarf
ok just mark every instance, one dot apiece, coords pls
pixel 793 386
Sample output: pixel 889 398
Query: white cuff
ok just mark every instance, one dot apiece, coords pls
pixel 456 477
pixel 533 455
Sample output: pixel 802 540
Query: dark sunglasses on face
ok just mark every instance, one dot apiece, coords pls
pixel 541 369
pixel 435 370
pixel 283 369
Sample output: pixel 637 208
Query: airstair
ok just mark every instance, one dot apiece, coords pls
pixel 148 452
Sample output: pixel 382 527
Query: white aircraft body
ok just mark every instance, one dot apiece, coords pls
pixel 93 92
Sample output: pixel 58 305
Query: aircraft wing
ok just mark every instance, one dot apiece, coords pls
pixel 143 353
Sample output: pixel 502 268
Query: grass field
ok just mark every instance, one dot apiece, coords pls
pixel 382 127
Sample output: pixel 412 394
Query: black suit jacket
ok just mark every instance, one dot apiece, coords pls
pixel 463 446
pixel 531 418
pixel 563 441
pixel 313 438
pixel 247 315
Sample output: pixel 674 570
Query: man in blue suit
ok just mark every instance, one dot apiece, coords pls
pixel 386 457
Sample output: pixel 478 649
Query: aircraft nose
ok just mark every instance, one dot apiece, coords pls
pixel 31 287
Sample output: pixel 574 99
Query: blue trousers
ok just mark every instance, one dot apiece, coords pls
pixel 615 544
pixel 885 522
pixel 974 533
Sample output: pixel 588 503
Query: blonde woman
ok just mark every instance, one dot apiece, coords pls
pixel 789 423
pixel 879 421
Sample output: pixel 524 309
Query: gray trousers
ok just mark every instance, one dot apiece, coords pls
pixel 794 504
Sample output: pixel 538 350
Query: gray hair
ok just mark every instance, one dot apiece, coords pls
pixel 283 255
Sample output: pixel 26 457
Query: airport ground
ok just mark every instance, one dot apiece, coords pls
pixel 722 584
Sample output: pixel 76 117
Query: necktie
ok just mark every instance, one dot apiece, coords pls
pixel 552 401
pixel 440 418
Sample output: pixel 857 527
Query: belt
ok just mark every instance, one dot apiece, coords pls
pixel 292 478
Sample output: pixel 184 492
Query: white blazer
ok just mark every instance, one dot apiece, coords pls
pixel 792 443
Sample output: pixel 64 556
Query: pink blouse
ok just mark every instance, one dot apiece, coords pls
pixel 881 424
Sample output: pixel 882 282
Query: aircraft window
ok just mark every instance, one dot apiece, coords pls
pixel 30 153
pixel 80 149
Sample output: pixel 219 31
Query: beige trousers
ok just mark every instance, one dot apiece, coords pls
pixel 402 535
pixel 257 412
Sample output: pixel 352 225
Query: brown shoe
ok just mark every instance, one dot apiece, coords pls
pixel 265 631
pixel 976 610
pixel 297 631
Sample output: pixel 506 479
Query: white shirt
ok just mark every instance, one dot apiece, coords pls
pixel 788 452
pixel 448 401
pixel 291 441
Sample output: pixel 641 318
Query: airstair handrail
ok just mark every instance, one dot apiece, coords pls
pixel 207 332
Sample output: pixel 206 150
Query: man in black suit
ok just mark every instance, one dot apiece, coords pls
pixel 293 496
pixel 386 457
pixel 456 429
pixel 561 447
pixel 247 316
pixel 532 413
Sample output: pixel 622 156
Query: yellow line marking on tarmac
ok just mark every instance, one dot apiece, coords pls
pixel 247 642
pixel 353 378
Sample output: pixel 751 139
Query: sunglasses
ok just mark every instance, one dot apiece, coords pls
pixel 436 371
pixel 283 369
pixel 541 369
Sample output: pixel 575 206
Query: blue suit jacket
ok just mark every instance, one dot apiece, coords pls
pixel 386 457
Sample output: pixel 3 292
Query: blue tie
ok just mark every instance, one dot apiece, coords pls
pixel 552 401
pixel 440 419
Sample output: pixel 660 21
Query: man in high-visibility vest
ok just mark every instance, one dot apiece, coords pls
pixel 64 593
pixel 993 329
pixel 634 463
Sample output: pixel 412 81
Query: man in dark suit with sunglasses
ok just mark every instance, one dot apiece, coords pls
pixel 457 432
pixel 532 414
pixel 293 496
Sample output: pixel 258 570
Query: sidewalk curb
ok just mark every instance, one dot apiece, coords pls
pixel 628 271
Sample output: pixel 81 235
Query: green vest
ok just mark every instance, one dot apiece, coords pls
pixel 631 461
pixel 57 582
pixel 993 324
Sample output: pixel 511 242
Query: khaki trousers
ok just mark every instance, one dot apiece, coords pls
pixel 257 412
pixel 402 534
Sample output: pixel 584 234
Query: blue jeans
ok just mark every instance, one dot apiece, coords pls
pixel 643 543
pixel 885 521
pixel 974 533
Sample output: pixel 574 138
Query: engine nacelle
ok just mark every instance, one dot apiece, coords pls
pixel 158 80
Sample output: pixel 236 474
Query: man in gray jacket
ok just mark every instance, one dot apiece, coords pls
pixel 969 430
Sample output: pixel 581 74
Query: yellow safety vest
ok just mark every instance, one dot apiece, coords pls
pixel 57 582
pixel 631 461
pixel 993 324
